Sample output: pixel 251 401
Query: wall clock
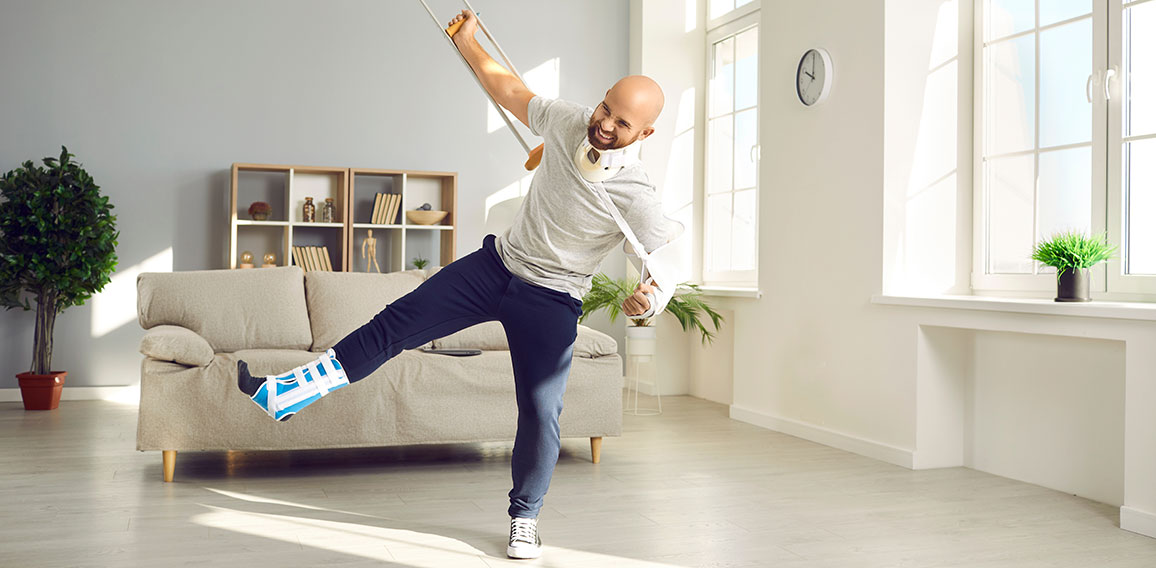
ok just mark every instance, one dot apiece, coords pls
pixel 813 78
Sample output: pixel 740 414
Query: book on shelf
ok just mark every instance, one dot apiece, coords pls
pixel 377 199
pixel 393 208
pixel 297 260
pixel 328 262
pixel 315 257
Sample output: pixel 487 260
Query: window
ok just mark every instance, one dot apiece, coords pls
pixel 1132 145
pixel 1063 138
pixel 730 241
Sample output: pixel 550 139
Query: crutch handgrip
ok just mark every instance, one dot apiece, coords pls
pixel 450 31
pixel 535 158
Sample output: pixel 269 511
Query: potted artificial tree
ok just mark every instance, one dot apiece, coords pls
pixel 1073 254
pixel 57 244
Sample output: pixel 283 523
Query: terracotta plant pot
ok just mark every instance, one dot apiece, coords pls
pixel 41 392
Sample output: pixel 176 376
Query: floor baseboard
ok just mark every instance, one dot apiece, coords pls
pixel 827 437
pixel 1137 521
pixel 127 393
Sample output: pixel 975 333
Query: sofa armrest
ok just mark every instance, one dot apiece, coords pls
pixel 592 343
pixel 178 344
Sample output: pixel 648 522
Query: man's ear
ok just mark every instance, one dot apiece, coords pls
pixel 645 133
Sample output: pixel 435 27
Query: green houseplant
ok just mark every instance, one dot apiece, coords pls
pixel 57 244
pixel 1072 253
pixel 688 306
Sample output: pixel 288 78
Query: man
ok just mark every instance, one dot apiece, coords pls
pixel 532 278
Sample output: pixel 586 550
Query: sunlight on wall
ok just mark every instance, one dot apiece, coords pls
pixel 691 15
pixel 128 396
pixel 545 80
pixel 678 186
pixel 503 205
pixel 115 305
pixel 927 244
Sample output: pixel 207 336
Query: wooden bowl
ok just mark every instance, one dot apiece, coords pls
pixel 419 217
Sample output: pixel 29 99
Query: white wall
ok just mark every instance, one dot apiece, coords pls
pixel 158 98
pixel 840 185
pixel 1049 410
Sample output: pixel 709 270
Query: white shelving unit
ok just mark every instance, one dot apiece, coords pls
pixel 285 187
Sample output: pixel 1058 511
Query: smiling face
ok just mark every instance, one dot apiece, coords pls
pixel 626 115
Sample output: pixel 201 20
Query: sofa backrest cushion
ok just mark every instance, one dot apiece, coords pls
pixel 341 302
pixel 256 308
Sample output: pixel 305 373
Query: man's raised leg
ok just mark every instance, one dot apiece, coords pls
pixel 464 293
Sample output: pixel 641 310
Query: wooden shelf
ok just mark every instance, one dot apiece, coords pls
pixel 428 227
pixel 321 225
pixel 352 189
pixel 265 223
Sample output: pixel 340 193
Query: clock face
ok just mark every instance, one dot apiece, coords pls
pixel 813 78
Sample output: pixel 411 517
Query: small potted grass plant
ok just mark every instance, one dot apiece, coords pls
pixel 1072 254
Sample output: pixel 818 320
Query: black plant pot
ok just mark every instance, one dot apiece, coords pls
pixel 1072 286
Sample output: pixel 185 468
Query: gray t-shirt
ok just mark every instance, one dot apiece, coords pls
pixel 563 230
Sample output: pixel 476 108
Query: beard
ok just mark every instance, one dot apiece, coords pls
pixel 595 141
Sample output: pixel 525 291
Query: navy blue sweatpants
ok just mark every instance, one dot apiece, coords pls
pixel 540 323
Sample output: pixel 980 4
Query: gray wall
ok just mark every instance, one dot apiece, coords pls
pixel 158 98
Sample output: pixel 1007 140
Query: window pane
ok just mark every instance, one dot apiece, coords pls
pixel 719 153
pixel 1052 11
pixel 720 7
pixel 1065 191
pixel 722 81
pixel 746 136
pixel 1065 63
pixel 1139 76
pixel 1007 17
pixel 747 69
pixel 1010 214
pixel 1140 195
pixel 743 231
pixel 718 211
pixel 1010 95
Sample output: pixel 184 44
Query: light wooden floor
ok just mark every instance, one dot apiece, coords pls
pixel 687 488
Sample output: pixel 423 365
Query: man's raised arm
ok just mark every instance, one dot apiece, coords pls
pixel 503 85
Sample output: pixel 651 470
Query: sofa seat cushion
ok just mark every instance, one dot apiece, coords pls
pixel 413 398
pixel 177 344
pixel 491 336
pixel 341 302
pixel 231 309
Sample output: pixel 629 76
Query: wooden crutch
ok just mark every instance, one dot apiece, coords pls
pixel 535 155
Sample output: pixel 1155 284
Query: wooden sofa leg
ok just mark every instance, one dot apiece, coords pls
pixel 170 463
pixel 596 449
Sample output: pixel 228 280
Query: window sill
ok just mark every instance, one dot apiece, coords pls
pixel 1093 309
pixel 731 291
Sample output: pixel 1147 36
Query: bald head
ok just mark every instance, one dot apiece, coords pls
pixel 642 94
pixel 627 114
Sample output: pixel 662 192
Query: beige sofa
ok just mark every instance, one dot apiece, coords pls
pixel 201 322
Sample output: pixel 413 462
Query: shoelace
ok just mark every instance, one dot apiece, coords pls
pixel 524 530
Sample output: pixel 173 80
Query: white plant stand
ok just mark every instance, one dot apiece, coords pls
pixel 640 366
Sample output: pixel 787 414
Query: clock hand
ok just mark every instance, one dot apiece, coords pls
pixel 809 75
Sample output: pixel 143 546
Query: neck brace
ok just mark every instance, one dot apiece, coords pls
pixel 600 165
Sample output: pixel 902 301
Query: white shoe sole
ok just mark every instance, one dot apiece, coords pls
pixel 523 553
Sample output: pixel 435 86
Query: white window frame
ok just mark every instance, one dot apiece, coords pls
pixel 729 24
pixel 1108 280
pixel 1121 286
